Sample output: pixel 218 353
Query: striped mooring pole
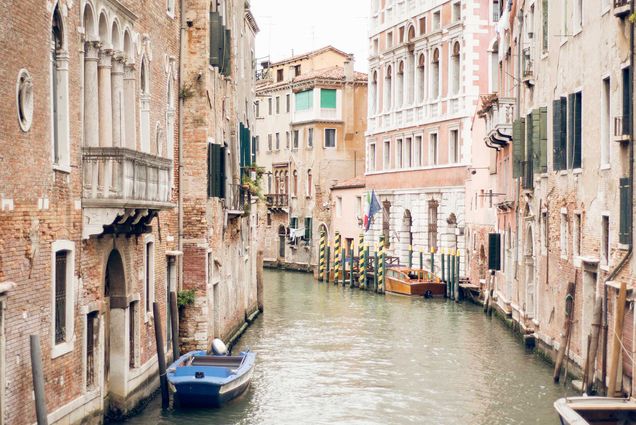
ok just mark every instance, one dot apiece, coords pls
pixel 343 259
pixel 328 261
pixel 410 256
pixel 322 268
pixel 351 263
pixel 362 270
pixel 337 254
pixel 375 268
pixel 382 266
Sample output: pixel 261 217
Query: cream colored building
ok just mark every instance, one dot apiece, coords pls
pixel 311 117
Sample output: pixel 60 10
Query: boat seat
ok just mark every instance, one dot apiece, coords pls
pixel 225 361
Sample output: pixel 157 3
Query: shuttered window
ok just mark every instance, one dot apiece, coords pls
pixel 627 101
pixel 518 146
pixel 216 171
pixel 531 141
pixel 245 138
pixel 577 138
pixel 220 44
pixel 541 162
pixel 625 236
pixel 308 228
pixel 328 98
pixel 304 100
pixel 293 223
pixel 559 133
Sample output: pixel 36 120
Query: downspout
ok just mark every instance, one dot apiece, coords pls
pixel 518 115
pixel 181 106
pixel 627 256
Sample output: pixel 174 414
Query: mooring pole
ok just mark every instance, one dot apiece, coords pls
pixel 457 289
pixel 321 269
pixel 444 271
pixel 161 357
pixel 410 256
pixel 337 254
pixel 421 258
pixel 451 260
pixel 382 266
pixel 351 264
pixel 174 324
pixel 38 381
pixel 375 268
pixel 362 272
pixel 328 259
pixel 343 259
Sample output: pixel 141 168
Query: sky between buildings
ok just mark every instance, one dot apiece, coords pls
pixel 300 26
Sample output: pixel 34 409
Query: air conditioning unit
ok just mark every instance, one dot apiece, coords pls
pixel 621 129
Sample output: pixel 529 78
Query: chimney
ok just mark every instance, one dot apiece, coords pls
pixel 348 69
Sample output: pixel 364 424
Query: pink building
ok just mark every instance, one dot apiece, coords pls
pixel 427 69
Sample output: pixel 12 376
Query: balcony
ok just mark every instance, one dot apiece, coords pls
pixel 498 112
pixel 317 114
pixel 621 8
pixel 238 202
pixel 123 189
pixel 277 201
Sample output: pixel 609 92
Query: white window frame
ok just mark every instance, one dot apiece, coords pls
pixel 170 8
pixel 338 206
pixel 399 153
pixel 577 237
pixel 433 162
pixel 149 239
pixel 386 147
pixel 335 138
pixel 457 148
pixel 420 155
pixel 371 159
pixel 65 347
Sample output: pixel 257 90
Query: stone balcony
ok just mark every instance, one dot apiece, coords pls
pixel 277 201
pixel 499 114
pixel 123 189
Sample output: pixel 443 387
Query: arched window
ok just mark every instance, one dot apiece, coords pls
pixel 286 182
pixel 455 69
pixel 170 113
pixel 399 86
pixel 435 75
pixel 295 183
pixel 144 119
pixel 421 79
pixel 388 92
pixel 59 92
pixel 310 183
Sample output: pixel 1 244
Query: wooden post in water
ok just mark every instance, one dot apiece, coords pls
pixel 351 264
pixel 382 266
pixel 38 381
pixel 444 272
pixel 421 258
pixel 457 289
pixel 617 334
pixel 174 324
pixel 410 256
pixel 596 330
pixel 432 263
pixel 343 261
pixel 567 327
pixel 362 270
pixel 161 357
pixel 451 261
pixel 328 262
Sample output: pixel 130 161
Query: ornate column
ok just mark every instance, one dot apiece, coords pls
pixel 91 111
pixel 105 117
pixel 117 80
pixel 130 113
pixel 91 105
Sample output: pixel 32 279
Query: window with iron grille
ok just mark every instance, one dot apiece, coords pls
pixel 132 339
pixel 61 258
pixel 92 325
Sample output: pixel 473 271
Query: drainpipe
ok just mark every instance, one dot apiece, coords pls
pixel 627 256
pixel 181 105
pixel 517 115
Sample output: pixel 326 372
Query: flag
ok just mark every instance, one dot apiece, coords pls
pixel 372 208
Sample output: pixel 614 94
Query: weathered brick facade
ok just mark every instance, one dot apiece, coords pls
pixel 65 200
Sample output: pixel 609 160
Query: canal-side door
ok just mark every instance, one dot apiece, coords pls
pixel 115 311
pixel 281 242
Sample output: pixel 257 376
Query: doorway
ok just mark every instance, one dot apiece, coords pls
pixel 531 302
pixel 281 242
pixel 115 335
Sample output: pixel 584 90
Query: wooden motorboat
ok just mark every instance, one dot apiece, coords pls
pixel 596 410
pixel 200 379
pixel 405 281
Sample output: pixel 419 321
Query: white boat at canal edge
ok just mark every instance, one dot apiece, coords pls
pixel 596 410
pixel 202 379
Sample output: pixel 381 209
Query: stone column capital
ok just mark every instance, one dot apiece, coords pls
pixel 105 58
pixel 91 49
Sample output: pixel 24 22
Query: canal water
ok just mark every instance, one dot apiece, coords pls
pixel 333 355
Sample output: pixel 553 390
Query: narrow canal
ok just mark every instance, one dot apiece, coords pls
pixel 331 355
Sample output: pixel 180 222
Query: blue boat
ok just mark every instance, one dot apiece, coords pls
pixel 200 379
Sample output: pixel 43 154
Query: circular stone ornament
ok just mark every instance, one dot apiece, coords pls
pixel 24 99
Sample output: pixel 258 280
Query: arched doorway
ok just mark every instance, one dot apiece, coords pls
pixel 530 280
pixel 281 242
pixel 116 328
pixel 406 236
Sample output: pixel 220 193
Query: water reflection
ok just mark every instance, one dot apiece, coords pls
pixel 330 355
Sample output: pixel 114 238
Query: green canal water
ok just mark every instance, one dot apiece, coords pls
pixel 333 355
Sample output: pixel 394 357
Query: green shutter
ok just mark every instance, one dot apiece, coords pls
pixel 625 236
pixel 304 100
pixel 570 146
pixel 211 182
pixel 328 98
pixel 542 164
pixel 556 135
pixel 308 228
pixel 221 172
pixel 578 115
pixel 293 223
pixel 517 148
pixel 530 140
pixel 536 141
pixel 216 34
pixel 564 132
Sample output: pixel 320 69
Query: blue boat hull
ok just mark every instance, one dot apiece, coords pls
pixel 201 380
